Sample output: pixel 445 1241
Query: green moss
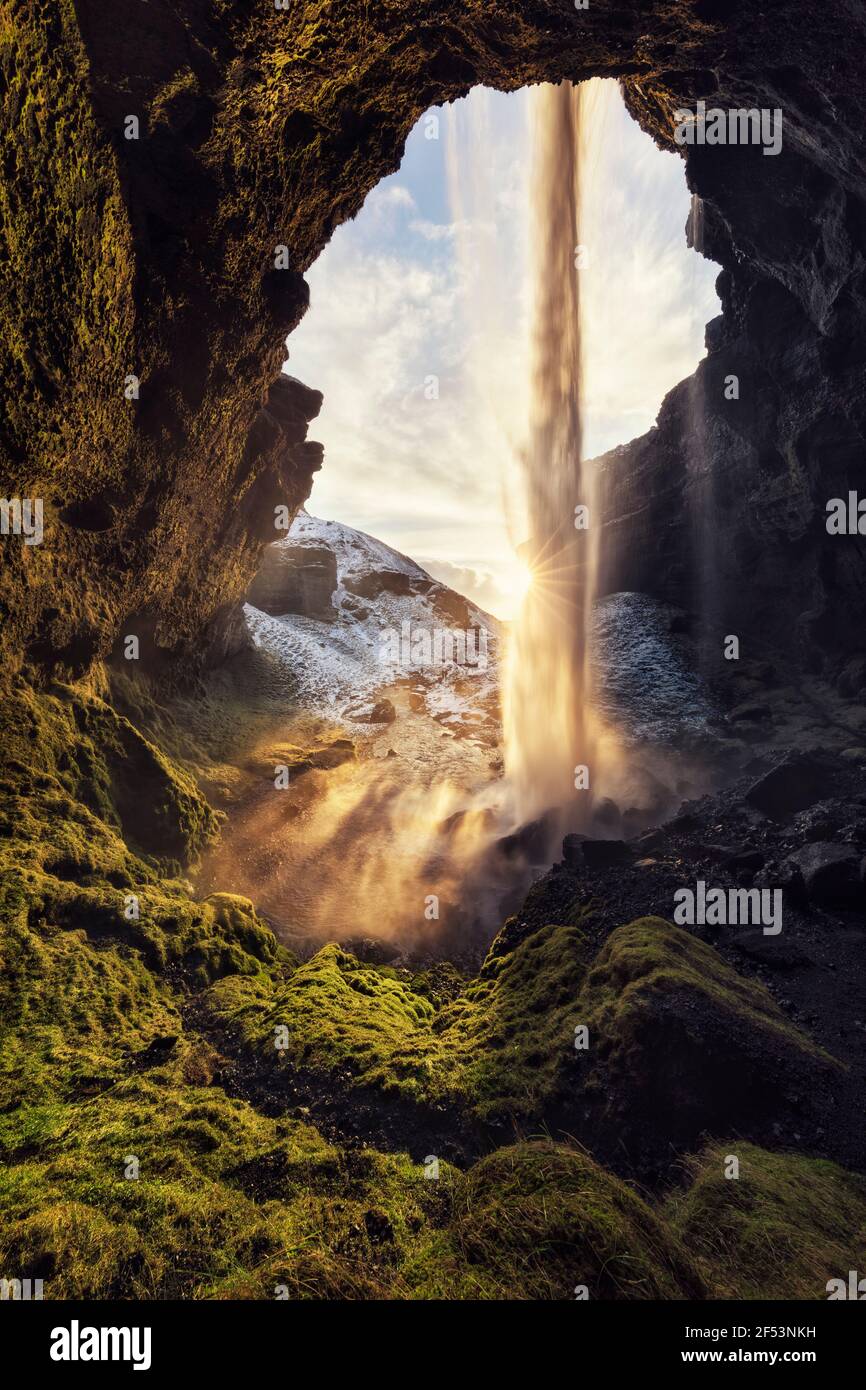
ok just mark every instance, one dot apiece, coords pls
pixel 98 1067
pixel 537 1221
pixel 336 1013
pixel 66 276
pixel 667 1020
pixel 498 1048
pixel 508 1039
pixel 643 963
pixel 69 746
pixel 90 928
pixel 104 1074
pixel 782 1229
pixel 225 1201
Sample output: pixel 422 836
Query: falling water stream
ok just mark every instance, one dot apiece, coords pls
pixel 548 721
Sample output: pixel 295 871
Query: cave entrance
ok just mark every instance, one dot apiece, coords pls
pixel 420 334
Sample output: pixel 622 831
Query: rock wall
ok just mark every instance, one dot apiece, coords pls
pixel 159 258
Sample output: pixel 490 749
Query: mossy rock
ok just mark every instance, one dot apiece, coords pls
pixel 681 1043
pixel 782 1229
pixel 222 1202
pixel 88 928
pixel 68 751
pixel 500 1049
pixel 540 1221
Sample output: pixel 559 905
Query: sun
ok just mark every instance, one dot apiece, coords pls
pixel 521 579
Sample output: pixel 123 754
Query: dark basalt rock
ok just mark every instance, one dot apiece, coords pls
pixel 831 873
pixel 601 854
pixel 794 784
pixel 296 579
pixel 376 582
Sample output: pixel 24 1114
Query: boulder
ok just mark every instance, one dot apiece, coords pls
pixel 603 854
pixel 680 1043
pixel 795 783
pixel 296 579
pixel 376 582
pixel 382 712
pixel 831 873
pixel 572 850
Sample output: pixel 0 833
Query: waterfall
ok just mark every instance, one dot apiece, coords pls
pixel 547 704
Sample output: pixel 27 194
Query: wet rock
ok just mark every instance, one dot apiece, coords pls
pixel 831 873
pixel 572 850
pixel 851 681
pixel 382 712
pixel 531 842
pixel 794 784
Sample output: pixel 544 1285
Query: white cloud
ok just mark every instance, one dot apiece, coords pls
pixel 396 300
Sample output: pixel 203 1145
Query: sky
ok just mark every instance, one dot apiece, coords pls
pixel 419 327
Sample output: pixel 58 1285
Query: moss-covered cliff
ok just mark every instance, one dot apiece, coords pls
pixel 260 128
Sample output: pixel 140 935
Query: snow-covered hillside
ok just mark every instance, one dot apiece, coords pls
pixel 388 624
